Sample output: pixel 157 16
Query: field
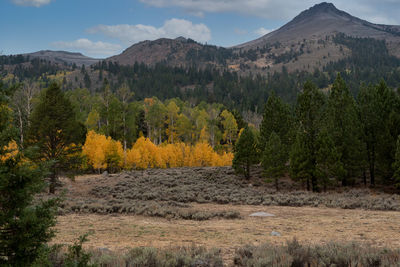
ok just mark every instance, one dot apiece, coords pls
pixel 210 207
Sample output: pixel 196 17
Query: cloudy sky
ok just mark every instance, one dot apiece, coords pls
pixel 101 28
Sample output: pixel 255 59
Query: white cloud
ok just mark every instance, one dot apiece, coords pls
pixel 89 48
pixel 172 28
pixel 262 31
pixel 261 8
pixel 35 3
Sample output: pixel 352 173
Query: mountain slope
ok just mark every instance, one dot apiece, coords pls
pixel 305 43
pixel 323 20
pixel 63 57
pixel 174 52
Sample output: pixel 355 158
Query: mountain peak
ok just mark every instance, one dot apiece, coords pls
pixel 323 7
pixel 181 39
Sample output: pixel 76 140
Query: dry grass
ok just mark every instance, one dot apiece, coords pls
pixel 189 206
pixel 308 225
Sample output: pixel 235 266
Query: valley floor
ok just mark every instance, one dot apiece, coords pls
pixel 118 228
pixel 309 225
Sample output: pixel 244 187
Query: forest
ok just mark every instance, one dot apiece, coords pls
pixel 323 132
pixel 243 92
pixel 324 141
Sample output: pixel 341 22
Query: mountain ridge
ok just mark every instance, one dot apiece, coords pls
pixel 304 43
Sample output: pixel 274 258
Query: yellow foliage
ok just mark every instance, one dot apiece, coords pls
pixel 94 148
pixel 203 155
pixel 148 155
pixel 114 153
pixel 145 154
pixel 102 152
pixel 11 150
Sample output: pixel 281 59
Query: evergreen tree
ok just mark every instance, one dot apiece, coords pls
pixel 378 112
pixel 277 118
pixel 396 165
pixel 274 159
pixel 241 124
pixel 245 153
pixel 328 160
pixel 55 131
pixel 344 128
pixel 301 167
pixel 309 113
pixel 25 227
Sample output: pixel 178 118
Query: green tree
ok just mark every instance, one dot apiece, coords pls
pixel 377 111
pixel 93 120
pixel 156 117
pixel 55 131
pixel 172 116
pixel 309 113
pixel 396 165
pixel 124 95
pixel 274 159
pixel 277 118
pixel 239 120
pixel 300 164
pixel 115 119
pixel 213 122
pixel 344 127
pixel 230 126
pixel 106 97
pixel 184 128
pixel 328 160
pixel 25 224
pixel 246 153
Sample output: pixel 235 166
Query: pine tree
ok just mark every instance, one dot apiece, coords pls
pixel 309 111
pixel 328 160
pixel 378 108
pixel 277 118
pixel 245 153
pixel 274 159
pixel 55 131
pixel 25 227
pixel 301 167
pixel 396 165
pixel 344 127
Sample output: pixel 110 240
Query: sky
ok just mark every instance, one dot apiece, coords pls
pixel 102 28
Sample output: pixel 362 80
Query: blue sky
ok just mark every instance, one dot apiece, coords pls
pixel 101 28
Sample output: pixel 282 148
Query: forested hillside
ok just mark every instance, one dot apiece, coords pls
pixel 368 63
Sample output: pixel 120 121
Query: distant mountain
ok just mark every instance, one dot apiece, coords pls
pixel 322 20
pixel 63 57
pixel 174 52
pixel 305 43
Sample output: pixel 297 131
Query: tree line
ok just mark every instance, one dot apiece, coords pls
pixel 327 139
pixel 369 61
pixel 119 115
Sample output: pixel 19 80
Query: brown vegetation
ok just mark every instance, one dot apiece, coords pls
pixel 210 207
pixel 170 193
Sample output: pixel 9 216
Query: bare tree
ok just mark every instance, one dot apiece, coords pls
pixel 23 105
